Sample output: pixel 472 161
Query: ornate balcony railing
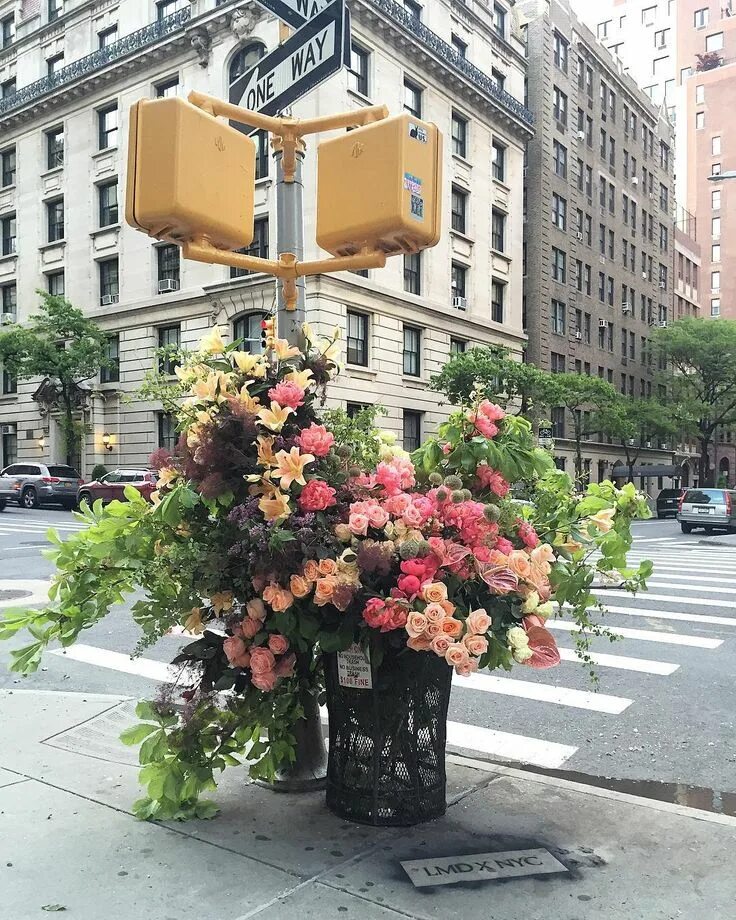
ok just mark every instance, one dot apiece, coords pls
pixel 129 44
pixel 432 41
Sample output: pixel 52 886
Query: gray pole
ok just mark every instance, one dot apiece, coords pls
pixel 290 238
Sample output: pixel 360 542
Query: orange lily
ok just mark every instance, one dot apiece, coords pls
pixel 265 451
pixel 291 467
pixel 274 417
pixel 275 505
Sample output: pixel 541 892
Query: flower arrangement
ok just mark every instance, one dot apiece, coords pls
pixel 270 545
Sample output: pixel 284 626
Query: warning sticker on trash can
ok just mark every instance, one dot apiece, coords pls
pixel 354 669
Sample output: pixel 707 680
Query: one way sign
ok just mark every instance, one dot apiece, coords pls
pixel 313 53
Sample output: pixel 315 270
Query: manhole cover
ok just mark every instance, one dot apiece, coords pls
pixel 100 736
pixel 12 595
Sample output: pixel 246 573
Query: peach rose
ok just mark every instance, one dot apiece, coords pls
pixel 278 644
pixel 542 555
pixel 250 627
pixel 464 670
pixel 434 613
pixel 236 652
pixel 457 655
pixel 448 607
pixel 440 644
pixel 256 609
pixel 434 592
pixel 476 645
pixel 324 590
pixel 311 570
pixel 343 533
pixel 261 660
pixel 519 563
pixel 433 629
pixel 478 622
pixel 419 644
pixel 416 624
pixel 327 567
pixel 278 598
pixel 265 681
pixel 299 585
pixel 452 627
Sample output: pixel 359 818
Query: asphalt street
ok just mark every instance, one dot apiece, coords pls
pixel 663 710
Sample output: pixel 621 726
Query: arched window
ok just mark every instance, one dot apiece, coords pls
pixel 248 329
pixel 241 63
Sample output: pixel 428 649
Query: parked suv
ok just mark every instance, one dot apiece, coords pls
pixel 34 484
pixel 112 485
pixel 707 508
pixel 668 501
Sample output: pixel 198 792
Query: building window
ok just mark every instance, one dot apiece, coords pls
pixel 559 159
pixel 558 422
pixel 558 317
pixel 7 167
pixel 459 135
pixel 559 265
pixel 715 306
pixel 559 212
pixel 557 363
pixel 715 281
pixel 412 99
pixel 109 281
pixel 459 208
pixel 54 8
pixel 247 333
pixel 559 106
pixel 715 227
pixel 458 346
pixel 54 64
pixel 412 351
pixel 7 31
pixel 560 52
pixel 258 248
pixel 7 88
pixel 55 283
pixel 412 433
pixel 108 196
pixel 169 343
pixel 498 161
pixel 357 324
pixel 602 29
pixel 700 94
pixel 107 37
pixel 458 281
pixel 715 169
pixel 498 301
pixel 358 70
pixel 498 78
pixel 499 20
pixel 54 148
pixel 661 38
pixel 715 199
pixel 498 230
pixel 10 383
pixel 715 145
pixel 701 18
pixel 166 8
pixel 413 9
pixel 167 88
pixel 55 220
pixel 714 42
pixel 9 300
pixel 167 433
pixel 459 45
pixel 413 273
pixel 168 264
pixel 107 125
pixel 111 372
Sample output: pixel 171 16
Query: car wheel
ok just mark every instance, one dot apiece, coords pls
pixel 84 497
pixel 29 499
pixel 686 528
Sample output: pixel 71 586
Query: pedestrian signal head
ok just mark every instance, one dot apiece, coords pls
pixel 190 175
pixel 268 332
pixel 379 187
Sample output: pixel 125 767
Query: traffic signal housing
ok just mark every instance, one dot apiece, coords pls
pixel 190 175
pixel 268 332
pixel 379 187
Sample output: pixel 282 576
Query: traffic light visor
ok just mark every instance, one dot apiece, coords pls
pixel 190 175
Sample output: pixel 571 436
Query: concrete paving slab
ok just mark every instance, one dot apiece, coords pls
pixel 320 902
pixel 7 778
pixel 629 860
pixel 56 848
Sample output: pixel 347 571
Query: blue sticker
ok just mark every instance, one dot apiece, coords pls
pixel 412 184
pixel 417 207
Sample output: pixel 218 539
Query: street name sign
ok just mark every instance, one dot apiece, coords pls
pixel 313 53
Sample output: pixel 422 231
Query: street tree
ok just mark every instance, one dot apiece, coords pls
pixel 63 348
pixel 701 355
pixel 633 423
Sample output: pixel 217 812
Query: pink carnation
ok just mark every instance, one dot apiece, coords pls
pixel 316 496
pixel 316 440
pixel 287 393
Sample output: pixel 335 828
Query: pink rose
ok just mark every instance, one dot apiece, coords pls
pixel 440 645
pixel 413 517
pixel 435 613
pixel 478 623
pixel 434 629
pixel 464 670
pixel 316 496
pixel 476 645
pixel 457 655
pixel 278 644
pixel 261 660
pixel 265 681
pixel 316 440
pixel 358 524
pixel 287 393
pixel 377 516
pixel 419 644
pixel 236 652
pixel 285 665
pixel 416 624
pixel 250 627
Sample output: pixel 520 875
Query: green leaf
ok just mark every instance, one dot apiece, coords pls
pixel 136 733
pixel 144 710
pixel 53 908
pixel 206 810
pixel 27 659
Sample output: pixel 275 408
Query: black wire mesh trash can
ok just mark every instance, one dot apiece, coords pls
pixel 386 761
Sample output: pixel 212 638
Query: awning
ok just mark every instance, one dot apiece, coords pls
pixel 654 470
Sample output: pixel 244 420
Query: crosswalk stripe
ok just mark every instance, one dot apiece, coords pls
pixel 710 579
pixel 704 589
pixel 546 693
pixel 643 635
pixel 117 661
pixel 37 528
pixel 662 598
pixel 671 615
pixel 603 660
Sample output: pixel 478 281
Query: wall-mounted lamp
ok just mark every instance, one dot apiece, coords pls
pixel 107 441
pixel 42 443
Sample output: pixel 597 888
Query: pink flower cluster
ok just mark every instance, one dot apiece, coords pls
pixel 485 417
pixel 527 534
pixel 267 663
pixel 385 614
pixel 492 480
pixel 316 440
pixel 436 629
pixel 316 496
pixel 395 475
pixel 287 393
pixel 415 573
pixel 365 514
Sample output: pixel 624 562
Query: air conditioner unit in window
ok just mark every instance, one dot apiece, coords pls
pixel 634 180
pixel 168 284
pixel 602 323
pixel 7 318
pixel 579 235
pixel 581 135
pixel 644 276
pixel 7 429
pixel 648 444
pixel 459 303
pixel 107 299
pixel 663 324
pixel 626 307
pixel 579 336
pixel 663 285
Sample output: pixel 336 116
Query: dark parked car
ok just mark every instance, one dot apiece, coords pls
pixel 34 484
pixel 112 485
pixel 668 501
pixel 707 508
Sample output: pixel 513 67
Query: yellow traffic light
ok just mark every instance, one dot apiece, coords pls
pixel 190 175
pixel 379 187
pixel 268 332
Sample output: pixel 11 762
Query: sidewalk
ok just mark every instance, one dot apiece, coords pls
pixel 67 839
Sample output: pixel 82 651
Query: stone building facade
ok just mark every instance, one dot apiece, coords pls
pixel 69 72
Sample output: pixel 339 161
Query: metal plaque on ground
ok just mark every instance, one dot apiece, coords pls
pixel 479 867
